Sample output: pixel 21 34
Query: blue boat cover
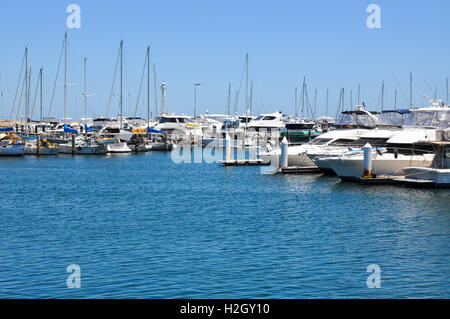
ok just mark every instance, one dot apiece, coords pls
pixel 89 129
pixel 69 130
pixel 152 130
pixel 6 129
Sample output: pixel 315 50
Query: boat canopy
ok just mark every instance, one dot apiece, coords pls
pixel 6 129
pixel 69 129
pixel 393 118
pixel 357 118
pixel 429 117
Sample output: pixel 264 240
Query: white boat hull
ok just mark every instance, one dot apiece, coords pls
pixel 349 168
pixel 118 148
pixel 82 150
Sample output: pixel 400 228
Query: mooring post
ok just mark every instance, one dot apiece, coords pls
pixel 284 153
pixel 227 148
pixel 367 164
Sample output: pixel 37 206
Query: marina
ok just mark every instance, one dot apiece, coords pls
pixel 224 150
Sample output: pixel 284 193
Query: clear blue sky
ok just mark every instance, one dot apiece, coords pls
pixel 206 41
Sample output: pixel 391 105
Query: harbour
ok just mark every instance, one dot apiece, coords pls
pixel 223 151
pixel 172 233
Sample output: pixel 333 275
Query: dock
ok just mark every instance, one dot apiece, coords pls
pixel 244 162
pixel 379 180
pixel 300 170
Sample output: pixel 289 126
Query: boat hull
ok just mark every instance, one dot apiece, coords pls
pixel 12 150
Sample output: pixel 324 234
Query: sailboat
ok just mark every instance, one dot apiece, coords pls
pixel 117 145
pixel 40 145
pixel 139 141
pixel 83 145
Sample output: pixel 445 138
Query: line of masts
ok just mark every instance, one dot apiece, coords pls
pixel 305 105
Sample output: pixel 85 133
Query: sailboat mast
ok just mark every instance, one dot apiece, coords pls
pixel 395 99
pixel 447 89
pixel 315 103
pixel 295 105
pixel 155 85
pixel 382 95
pixel 229 99
pixel 148 86
pixel 65 77
pixel 410 89
pixel 85 95
pixel 121 82
pixel 246 83
pixel 251 98
pixel 26 88
pixel 40 97
pixel 327 106
pixel 303 97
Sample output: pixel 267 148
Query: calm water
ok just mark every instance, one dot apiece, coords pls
pixel 141 226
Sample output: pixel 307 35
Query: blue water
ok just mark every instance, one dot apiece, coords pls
pixel 141 226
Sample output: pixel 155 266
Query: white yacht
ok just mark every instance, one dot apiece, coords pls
pixel 349 127
pixel 84 146
pixel 269 122
pixel 409 145
pixel 179 127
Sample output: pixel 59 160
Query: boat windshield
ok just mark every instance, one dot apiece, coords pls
pixel 393 118
pixel 230 124
pixel 259 118
pixel 437 118
pixel 350 119
pixel 269 118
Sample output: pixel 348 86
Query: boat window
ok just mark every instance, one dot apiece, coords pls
pixel 168 120
pixel 342 141
pixel 320 141
pixel 372 141
pixel 299 126
pixel 269 118
pixel 182 120
pixel 259 118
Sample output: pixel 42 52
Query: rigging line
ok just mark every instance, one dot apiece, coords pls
pixel 240 86
pixel 34 99
pixel 113 83
pixel 20 100
pixel 17 88
pixel 56 79
pixel 429 88
pixel 401 89
pixel 339 104
pixel 140 86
